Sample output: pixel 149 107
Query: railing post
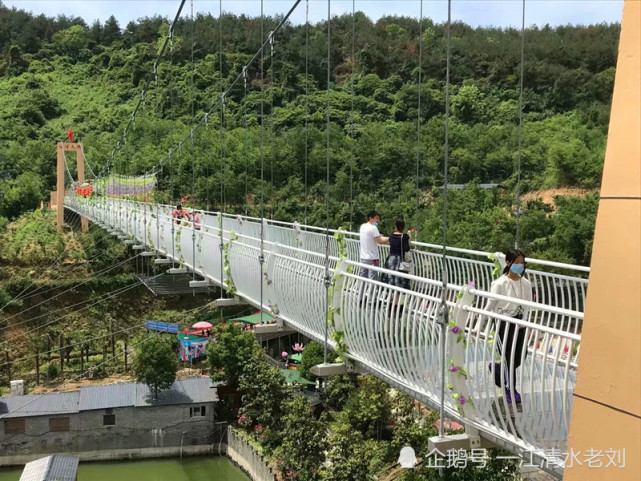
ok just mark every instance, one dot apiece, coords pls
pixel 158 228
pixel 144 227
pixel 193 247
pixel 221 246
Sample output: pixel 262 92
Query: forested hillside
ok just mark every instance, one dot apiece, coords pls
pixel 56 73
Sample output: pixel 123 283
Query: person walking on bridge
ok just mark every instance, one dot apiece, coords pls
pixel 371 238
pixel 510 336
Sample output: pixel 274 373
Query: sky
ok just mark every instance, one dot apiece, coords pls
pixel 499 13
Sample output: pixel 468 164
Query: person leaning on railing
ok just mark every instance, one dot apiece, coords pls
pixel 179 213
pixel 510 337
pixel 195 218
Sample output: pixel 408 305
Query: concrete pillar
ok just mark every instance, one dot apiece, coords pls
pixel 80 160
pixel 606 416
pixel 60 193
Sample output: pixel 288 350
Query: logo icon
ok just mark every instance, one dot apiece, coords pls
pixel 407 458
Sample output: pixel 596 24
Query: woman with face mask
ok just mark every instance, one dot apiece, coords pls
pixel 509 336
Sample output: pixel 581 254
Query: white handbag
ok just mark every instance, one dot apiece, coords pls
pixel 404 266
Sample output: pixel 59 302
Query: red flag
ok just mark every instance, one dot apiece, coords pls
pixel 70 134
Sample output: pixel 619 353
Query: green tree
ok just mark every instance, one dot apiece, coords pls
pixel 351 456
pixel 303 438
pixel 229 353
pixel 156 364
pixel 369 407
pixel 72 41
pixel 110 32
pixel 313 354
pixel 21 194
pixel 263 398
pixel 411 427
pixel 338 389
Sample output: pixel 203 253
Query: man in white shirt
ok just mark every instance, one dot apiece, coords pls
pixel 370 240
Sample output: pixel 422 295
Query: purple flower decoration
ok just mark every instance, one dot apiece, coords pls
pixel 462 400
pixel 456 329
pixel 471 284
pixel 269 282
pixel 453 369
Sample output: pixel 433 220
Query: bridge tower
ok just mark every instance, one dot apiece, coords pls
pixel 606 414
pixel 60 193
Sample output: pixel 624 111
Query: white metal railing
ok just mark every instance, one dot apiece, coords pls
pixel 391 330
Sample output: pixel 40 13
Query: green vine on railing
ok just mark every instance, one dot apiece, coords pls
pixel 177 244
pixel 199 246
pixel 149 241
pixel 199 242
pixel 458 332
pixel 496 272
pixel 298 232
pixel 459 399
pixel 337 336
pixel 229 281
pixel 273 308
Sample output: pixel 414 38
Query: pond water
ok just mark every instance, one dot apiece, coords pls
pixel 189 469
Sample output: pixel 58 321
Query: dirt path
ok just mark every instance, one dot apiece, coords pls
pixel 548 195
pixel 116 378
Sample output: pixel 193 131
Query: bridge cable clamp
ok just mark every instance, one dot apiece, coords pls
pixel 442 316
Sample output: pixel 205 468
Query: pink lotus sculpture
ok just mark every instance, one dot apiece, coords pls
pixel 298 347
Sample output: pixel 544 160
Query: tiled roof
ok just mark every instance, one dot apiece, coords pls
pixel 39 405
pixel 186 391
pixel 51 468
pixel 107 396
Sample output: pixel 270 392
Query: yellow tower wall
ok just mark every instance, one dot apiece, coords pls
pixel 607 399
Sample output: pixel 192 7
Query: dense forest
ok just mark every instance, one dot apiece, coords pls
pixel 56 73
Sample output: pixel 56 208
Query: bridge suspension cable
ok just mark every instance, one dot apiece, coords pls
pixel 109 295
pixel 351 121
pixel 37 292
pixel 261 257
pixel 418 114
pixel 19 296
pixel 306 105
pixel 99 273
pixel 147 82
pixel 443 315
pixel 222 109
pixel 238 78
pixel 520 130
pixel 327 194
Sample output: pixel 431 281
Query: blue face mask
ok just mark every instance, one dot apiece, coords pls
pixel 375 224
pixel 517 268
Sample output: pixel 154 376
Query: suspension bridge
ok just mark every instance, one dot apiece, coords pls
pixel 391 332
pixel 434 340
